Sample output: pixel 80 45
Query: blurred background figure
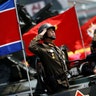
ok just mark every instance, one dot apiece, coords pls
pixel 89 68
pixel 93 44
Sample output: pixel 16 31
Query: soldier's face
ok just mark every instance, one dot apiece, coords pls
pixel 51 34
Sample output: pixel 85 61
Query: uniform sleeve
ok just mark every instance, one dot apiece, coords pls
pixel 34 45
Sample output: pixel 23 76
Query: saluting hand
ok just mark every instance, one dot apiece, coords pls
pixel 43 32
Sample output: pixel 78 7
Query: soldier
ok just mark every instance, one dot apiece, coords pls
pixel 93 43
pixel 89 68
pixel 93 51
pixel 52 58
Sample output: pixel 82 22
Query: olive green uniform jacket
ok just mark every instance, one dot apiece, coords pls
pixel 53 61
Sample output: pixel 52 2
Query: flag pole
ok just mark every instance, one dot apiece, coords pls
pixel 25 61
pixel 80 31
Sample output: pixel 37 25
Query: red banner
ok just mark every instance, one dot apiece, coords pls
pixel 87 30
pixel 67 32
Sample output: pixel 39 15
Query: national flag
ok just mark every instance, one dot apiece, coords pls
pixel 9 29
pixel 78 93
pixel 67 32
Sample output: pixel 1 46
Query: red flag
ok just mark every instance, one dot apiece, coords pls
pixel 78 93
pixel 67 32
pixel 87 30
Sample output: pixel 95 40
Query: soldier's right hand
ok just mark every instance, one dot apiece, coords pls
pixel 43 32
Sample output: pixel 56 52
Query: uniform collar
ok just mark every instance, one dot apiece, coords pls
pixel 49 44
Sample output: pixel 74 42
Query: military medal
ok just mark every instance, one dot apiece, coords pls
pixel 53 56
pixel 52 53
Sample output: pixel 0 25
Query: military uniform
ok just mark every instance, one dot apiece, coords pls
pixel 93 46
pixel 53 61
pixel 88 67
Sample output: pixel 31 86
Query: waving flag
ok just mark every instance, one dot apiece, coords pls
pixel 67 32
pixel 9 30
pixel 88 29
